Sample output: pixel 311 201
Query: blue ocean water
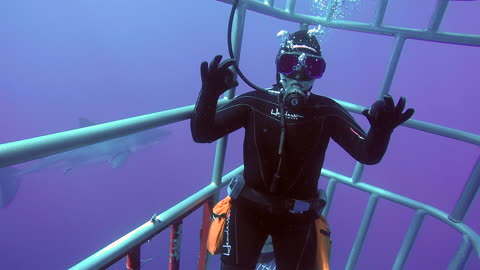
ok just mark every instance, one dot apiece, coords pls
pixel 109 60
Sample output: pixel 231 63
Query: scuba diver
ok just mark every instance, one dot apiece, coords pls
pixel 287 130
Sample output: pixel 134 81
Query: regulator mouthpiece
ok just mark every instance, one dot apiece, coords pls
pixel 294 98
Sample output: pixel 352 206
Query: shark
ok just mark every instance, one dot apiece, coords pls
pixel 116 152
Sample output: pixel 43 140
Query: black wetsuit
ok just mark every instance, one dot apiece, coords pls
pixel 308 132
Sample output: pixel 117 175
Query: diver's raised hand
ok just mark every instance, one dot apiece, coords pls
pixel 384 114
pixel 217 77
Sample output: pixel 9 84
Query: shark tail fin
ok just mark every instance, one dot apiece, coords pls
pixel 9 182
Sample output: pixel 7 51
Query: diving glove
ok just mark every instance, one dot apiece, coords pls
pixel 217 77
pixel 385 115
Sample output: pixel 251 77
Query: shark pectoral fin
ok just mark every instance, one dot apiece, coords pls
pixel 119 159
pixel 9 182
pixel 67 170
pixel 144 261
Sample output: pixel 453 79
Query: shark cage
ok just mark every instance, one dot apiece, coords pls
pixel 129 245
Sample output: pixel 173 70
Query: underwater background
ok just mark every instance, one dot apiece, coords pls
pixel 110 60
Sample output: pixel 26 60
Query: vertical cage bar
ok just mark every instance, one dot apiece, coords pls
pixel 237 34
pixel 238 26
pixel 268 3
pixel 330 192
pixel 357 172
pixel 219 161
pixel 362 232
pixel 392 65
pixel 290 6
pixel 437 15
pixel 204 256
pixel 467 197
pixel 175 245
pixel 461 257
pixel 380 12
pixel 133 259
pixel 409 240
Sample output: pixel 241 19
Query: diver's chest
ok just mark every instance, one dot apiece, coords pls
pixel 267 127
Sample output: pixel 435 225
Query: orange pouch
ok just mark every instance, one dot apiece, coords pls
pixel 323 244
pixel 215 233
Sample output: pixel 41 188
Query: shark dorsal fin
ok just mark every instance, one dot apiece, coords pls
pixel 119 159
pixel 84 122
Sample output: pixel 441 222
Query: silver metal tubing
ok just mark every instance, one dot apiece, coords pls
pixel 34 148
pixel 402 200
pixel 467 197
pixel 444 131
pixel 357 172
pixel 392 66
pixel 409 240
pixel 380 12
pixel 238 27
pixel 332 183
pixel 424 126
pixel 219 161
pixel 290 6
pixel 362 232
pixel 152 227
pixel 268 2
pixel 420 34
pixel 437 15
pixel 237 35
pixel 30 149
pixel 461 257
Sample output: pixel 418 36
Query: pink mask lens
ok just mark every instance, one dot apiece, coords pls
pixel 288 62
pixel 314 66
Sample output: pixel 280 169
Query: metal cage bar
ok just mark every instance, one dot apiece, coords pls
pixel 332 183
pixel 362 232
pixel 290 6
pixel 380 12
pixel 122 246
pixel 462 255
pixel 358 172
pixel 34 148
pixel 471 188
pixel 30 149
pixel 204 256
pixel 129 245
pixel 420 34
pixel 437 15
pixel 407 202
pixel 409 240
pixel 151 228
pixel 392 66
pixel 175 245
pixel 237 35
pixel 133 259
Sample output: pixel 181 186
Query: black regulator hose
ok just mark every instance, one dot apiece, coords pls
pixel 276 178
pixel 230 49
